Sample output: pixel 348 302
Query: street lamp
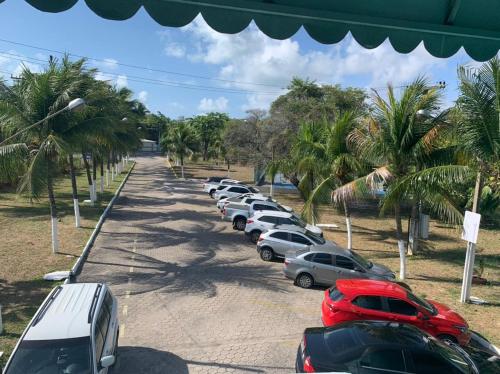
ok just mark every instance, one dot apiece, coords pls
pixel 73 105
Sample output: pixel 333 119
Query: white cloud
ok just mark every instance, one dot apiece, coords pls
pixel 143 96
pixel 251 56
pixel 121 81
pixel 10 64
pixel 175 50
pixel 110 63
pixel 210 105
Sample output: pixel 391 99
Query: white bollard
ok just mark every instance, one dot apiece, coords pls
pixel 1 324
pixel 55 237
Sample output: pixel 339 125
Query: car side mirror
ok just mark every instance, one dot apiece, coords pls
pixel 360 269
pixel 422 316
pixel 107 361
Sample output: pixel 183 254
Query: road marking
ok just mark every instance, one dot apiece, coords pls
pixel 125 310
pixel 122 330
pixel 131 269
pixel 129 280
pixel 127 294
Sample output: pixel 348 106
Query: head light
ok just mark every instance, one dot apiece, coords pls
pixel 462 329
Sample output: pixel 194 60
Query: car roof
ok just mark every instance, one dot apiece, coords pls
pixel 299 230
pixel 353 287
pixel 273 213
pixel 64 314
pixel 375 333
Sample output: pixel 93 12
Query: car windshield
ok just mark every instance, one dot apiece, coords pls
pixel 315 238
pixel 423 303
pixel 52 356
pixel 254 190
pixel 361 260
pixel 456 358
pixel 298 222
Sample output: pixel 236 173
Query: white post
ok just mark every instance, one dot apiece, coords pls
pixel 349 232
pixel 102 183
pixel 470 257
pixel 107 178
pixel 94 189
pixel 55 240
pixel 91 194
pixel 113 172
pixel 402 259
pixel 77 212
pixel 1 324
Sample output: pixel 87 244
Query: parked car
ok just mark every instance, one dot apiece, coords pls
pixel 239 213
pixel 211 186
pixel 233 191
pixel 365 299
pixel 386 347
pixel 264 221
pixel 74 331
pixel 245 199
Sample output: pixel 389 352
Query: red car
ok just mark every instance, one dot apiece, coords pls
pixel 365 299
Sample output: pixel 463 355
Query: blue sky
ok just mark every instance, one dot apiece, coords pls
pixel 241 72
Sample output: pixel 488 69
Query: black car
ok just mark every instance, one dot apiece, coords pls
pixel 377 347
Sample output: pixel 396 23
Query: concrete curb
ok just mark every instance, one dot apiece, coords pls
pixel 75 270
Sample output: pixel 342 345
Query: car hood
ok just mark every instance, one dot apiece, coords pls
pixel 314 229
pixel 448 314
pixel 380 269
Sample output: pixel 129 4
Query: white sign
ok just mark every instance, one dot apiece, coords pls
pixel 471 226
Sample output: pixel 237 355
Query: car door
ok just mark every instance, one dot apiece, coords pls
pixel 345 268
pixel 281 242
pixel 426 362
pixel 300 242
pixel 267 223
pixel 368 307
pixel 322 268
pixel 101 346
pixel 382 360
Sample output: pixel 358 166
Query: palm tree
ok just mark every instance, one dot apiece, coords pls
pixel 182 142
pixel 394 139
pixel 343 165
pixel 32 99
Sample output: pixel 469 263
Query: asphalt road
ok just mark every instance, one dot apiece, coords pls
pixel 194 295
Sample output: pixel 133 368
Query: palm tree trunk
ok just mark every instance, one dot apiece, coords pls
pixel 102 174
pixel 348 223
pixel 53 210
pixel 94 177
pixel 113 166
pixel 182 166
pixel 401 242
pixel 89 176
pixel 228 168
pixel 74 189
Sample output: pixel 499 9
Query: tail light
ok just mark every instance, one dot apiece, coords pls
pixel 249 221
pixel 261 238
pixel 224 211
pixel 308 368
pixel 332 308
pixel 286 262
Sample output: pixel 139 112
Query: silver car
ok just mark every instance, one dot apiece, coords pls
pixel 319 267
pixel 263 221
pixel 278 242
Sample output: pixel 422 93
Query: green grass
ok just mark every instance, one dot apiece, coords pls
pixel 26 249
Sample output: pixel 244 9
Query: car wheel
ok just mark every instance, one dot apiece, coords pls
pixel 266 254
pixel 211 193
pixel 448 338
pixel 304 280
pixel 254 236
pixel 240 223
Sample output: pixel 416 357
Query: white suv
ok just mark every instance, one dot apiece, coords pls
pixel 232 191
pixel 265 220
pixel 75 331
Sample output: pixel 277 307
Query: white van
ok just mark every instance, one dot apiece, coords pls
pixel 75 331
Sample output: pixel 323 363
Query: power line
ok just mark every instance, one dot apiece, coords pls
pixel 138 66
pixel 147 80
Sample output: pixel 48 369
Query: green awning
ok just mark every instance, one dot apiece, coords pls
pixel 443 25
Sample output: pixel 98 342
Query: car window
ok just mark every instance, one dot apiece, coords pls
pixel 299 239
pixel 268 219
pixel 241 190
pixel 344 262
pixel 425 362
pixel 259 207
pixel 385 359
pixel 284 221
pixel 99 342
pixel 323 258
pixel 108 302
pixel 221 188
pixel 368 302
pixel 399 306
pixel 423 303
pixel 254 190
pixel 249 201
pixel 101 330
pixel 234 189
pixel 280 235
pixel 309 257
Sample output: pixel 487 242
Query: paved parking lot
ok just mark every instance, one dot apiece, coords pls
pixel 194 295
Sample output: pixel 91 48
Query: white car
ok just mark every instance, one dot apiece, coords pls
pixel 233 191
pixel 262 221
pixel 247 199
pixel 75 330
pixel 211 185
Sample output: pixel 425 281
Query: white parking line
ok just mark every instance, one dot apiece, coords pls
pixel 125 310
pixel 131 269
pixel 127 294
pixel 122 330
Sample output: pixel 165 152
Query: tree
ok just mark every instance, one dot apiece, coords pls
pixel 393 140
pixel 182 141
pixel 208 128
